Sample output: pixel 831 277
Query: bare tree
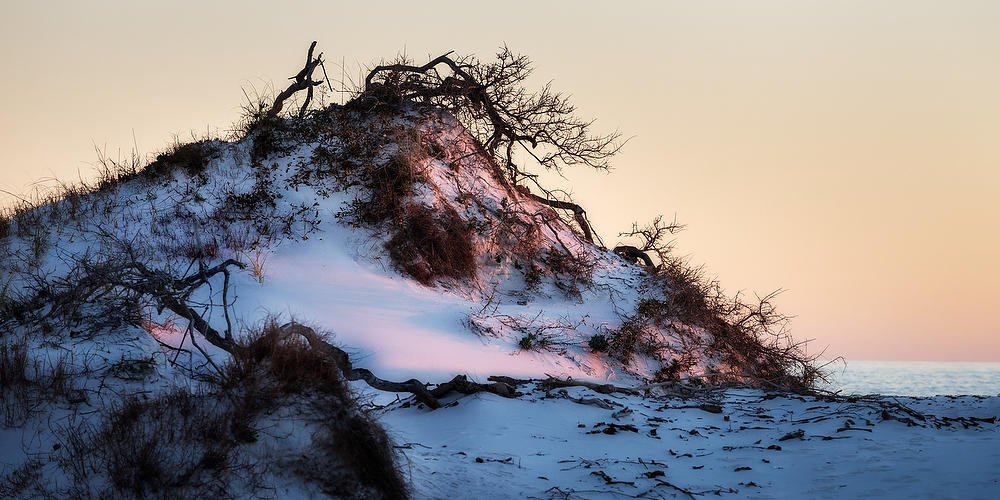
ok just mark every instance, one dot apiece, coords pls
pixel 490 99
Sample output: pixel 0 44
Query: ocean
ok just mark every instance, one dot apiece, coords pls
pixel 915 378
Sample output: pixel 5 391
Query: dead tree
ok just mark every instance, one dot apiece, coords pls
pixel 136 282
pixel 95 281
pixel 490 100
pixel 301 81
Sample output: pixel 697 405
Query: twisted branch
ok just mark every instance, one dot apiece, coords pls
pixel 301 81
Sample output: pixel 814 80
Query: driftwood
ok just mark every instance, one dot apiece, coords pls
pixel 419 389
pixel 554 383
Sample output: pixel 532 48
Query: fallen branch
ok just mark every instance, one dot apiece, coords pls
pixel 690 494
pixel 419 389
pixel 96 280
pixel 554 383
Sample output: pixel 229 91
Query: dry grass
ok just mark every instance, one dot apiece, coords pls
pixel 24 482
pixel 29 383
pixel 433 243
pixel 275 366
pixel 424 242
pixel 353 452
pixel 749 337
pixel 176 444
pixel 194 444
pixel 191 158
pixel 257 264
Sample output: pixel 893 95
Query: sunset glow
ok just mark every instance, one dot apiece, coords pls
pixel 843 151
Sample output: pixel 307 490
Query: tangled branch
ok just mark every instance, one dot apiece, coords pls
pixel 301 81
pixel 490 100
pixel 653 238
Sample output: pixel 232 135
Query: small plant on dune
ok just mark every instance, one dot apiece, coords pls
pixel 571 272
pixel 536 333
pixel 598 343
pixel 541 341
pixel 190 158
pixel 257 264
pixel 527 342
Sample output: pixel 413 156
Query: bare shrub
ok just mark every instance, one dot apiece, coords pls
pixel 635 336
pixel 598 343
pixel 533 333
pixel 186 444
pixel 570 272
pixel 430 244
pixel 192 158
pixel 653 240
pixel 390 185
pixel 175 444
pixel 490 100
pixel 750 336
pixel 25 481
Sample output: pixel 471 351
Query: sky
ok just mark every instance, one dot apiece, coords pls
pixel 843 151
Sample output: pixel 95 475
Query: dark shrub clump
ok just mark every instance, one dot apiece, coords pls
pixel 192 158
pixel 186 444
pixel 598 343
pixel 429 245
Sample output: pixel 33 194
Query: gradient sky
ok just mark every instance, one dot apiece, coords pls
pixel 848 152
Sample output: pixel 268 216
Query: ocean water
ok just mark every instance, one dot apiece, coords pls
pixel 915 378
